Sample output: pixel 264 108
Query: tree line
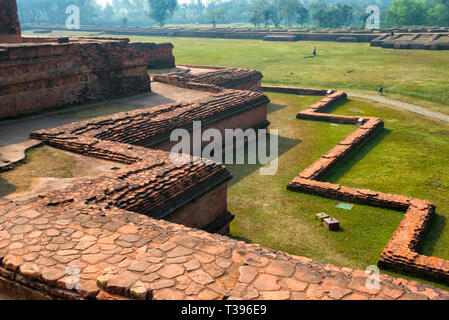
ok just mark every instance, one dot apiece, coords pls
pixel 259 13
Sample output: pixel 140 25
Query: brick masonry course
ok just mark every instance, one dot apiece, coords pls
pixel 38 76
pixel 400 253
pixel 212 81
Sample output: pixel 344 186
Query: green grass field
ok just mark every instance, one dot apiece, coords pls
pixel 409 157
pixel 417 76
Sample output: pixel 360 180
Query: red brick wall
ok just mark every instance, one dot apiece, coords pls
pixel 9 22
pixel 210 206
pixel 157 55
pixel 253 118
pixel 51 75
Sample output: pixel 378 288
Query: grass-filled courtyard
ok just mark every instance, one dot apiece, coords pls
pixel 409 157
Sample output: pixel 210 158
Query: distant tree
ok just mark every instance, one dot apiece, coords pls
pixel 213 15
pixel 161 10
pixel 439 14
pixel 302 14
pixel 331 16
pixel 406 13
pixel 259 12
pixel 277 11
pixel 124 20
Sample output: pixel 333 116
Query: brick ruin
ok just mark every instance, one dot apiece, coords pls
pixel 415 41
pixel 39 73
pixel 214 80
pixel 9 22
pixel 152 229
pixel 110 227
pixel 158 55
pixel 39 76
pixel 401 251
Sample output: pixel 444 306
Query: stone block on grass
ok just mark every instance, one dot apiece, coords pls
pixel 331 224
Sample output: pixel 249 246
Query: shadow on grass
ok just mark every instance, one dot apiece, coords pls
pixel 433 234
pixel 246 240
pixel 273 107
pixel 241 171
pixel 357 156
pixel 6 188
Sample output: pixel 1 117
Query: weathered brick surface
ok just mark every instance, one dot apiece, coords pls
pixel 9 22
pixel 37 76
pixel 230 78
pixel 400 253
pixel 158 55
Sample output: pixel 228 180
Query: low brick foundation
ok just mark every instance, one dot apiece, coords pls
pixel 400 253
pixel 438 41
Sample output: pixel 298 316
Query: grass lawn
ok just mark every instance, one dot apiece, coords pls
pixel 41 162
pixel 409 157
pixel 419 75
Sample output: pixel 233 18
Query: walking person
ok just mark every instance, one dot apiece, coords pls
pixel 314 52
pixel 381 90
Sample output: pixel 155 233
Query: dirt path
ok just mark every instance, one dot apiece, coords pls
pixel 402 105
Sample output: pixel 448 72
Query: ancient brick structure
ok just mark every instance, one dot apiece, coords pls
pixel 400 253
pixel 416 41
pixel 158 55
pixel 9 22
pixel 108 227
pixel 39 75
pixel 212 81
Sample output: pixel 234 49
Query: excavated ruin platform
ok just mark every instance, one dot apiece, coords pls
pixel 401 251
pixel 104 229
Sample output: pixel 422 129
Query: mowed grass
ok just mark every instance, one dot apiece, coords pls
pixel 419 76
pixel 406 158
pixel 41 162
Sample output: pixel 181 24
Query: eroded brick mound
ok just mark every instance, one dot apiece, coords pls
pixel 400 253
pixel 149 127
pixel 230 78
pixel 9 22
